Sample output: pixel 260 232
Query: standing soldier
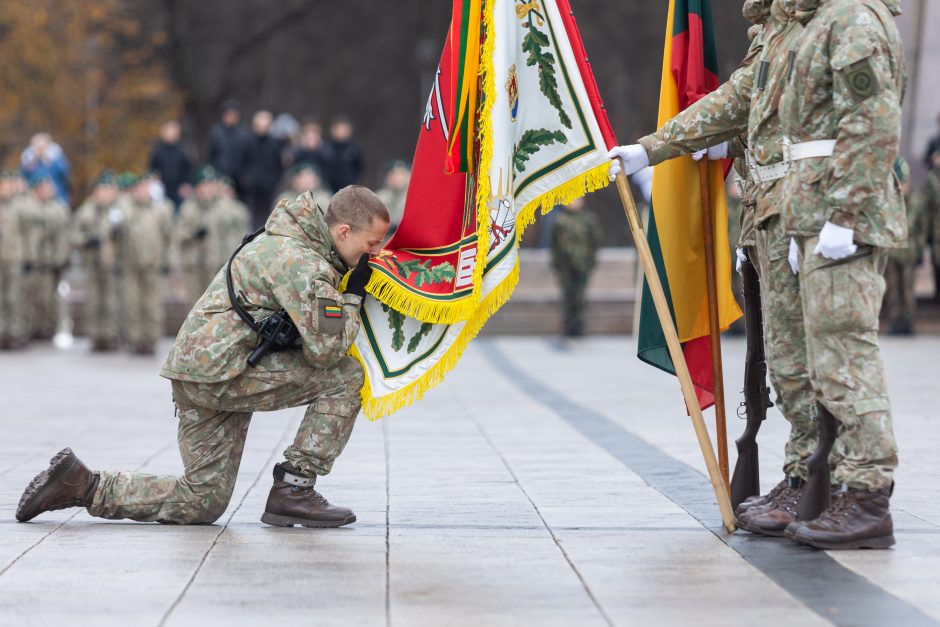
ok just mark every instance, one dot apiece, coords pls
pixel 841 115
pixel 14 330
pixel 304 177
pixel 576 236
pixel 930 197
pixel 51 226
pixel 291 273
pixel 193 230
pixel 145 255
pixel 97 228
pixel 230 223
pixel 900 304
pixel 748 101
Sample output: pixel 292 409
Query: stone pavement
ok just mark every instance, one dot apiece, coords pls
pixel 541 484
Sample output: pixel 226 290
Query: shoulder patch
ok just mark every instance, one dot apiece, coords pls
pixel 861 79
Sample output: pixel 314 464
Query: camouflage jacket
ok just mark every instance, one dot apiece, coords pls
pixel 847 84
pixel 576 236
pixel 145 235
pixel 291 265
pixel 94 222
pixel 48 236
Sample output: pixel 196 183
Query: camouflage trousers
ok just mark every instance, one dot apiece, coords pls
pixel 785 344
pixel 900 305
pixel 573 287
pixel 841 301
pixel 13 323
pixel 143 305
pixel 45 303
pixel 101 318
pixel 213 424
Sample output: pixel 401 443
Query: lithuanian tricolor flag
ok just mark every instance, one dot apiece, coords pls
pixel 675 225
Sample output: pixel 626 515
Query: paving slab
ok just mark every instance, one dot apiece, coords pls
pixel 545 482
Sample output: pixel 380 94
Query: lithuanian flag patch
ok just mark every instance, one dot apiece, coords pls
pixel 332 311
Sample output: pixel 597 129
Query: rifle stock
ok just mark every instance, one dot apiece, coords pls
pixel 745 481
pixel 817 495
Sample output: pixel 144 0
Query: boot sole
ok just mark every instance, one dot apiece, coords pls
pixel 34 490
pixel 883 542
pixel 276 520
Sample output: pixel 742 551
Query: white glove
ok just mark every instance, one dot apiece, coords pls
pixel 794 256
pixel 644 179
pixel 628 159
pixel 742 257
pixel 835 242
pixel 715 153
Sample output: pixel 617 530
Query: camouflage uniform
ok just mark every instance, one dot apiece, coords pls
pixel 930 203
pixel 95 237
pixel 293 265
pixel 847 83
pixel 14 328
pixel 51 245
pixel 748 101
pixel 576 236
pixel 144 254
pixel 900 306
pixel 193 233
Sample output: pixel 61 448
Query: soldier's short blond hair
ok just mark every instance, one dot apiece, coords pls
pixel 356 206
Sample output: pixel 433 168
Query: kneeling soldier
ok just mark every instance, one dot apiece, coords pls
pixel 291 272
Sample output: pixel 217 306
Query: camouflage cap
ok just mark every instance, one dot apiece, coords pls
pixel 205 174
pixel 107 179
pixel 127 180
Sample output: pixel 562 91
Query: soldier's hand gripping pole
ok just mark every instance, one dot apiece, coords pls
pixel 675 351
pixel 817 493
pixel 745 482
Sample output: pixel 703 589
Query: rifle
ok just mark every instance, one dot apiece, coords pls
pixel 745 481
pixel 817 494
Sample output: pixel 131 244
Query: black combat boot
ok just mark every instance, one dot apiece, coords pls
pixel 857 519
pixel 67 482
pixel 293 501
pixel 772 518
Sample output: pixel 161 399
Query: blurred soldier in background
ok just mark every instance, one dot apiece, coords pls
pixel 14 330
pixel 193 231
pixel 304 177
pixel 230 222
pixel 576 236
pixel 394 190
pixel 51 220
pixel 930 204
pixel 900 306
pixel 145 255
pixel 95 236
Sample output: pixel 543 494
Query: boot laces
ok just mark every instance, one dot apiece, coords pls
pixel 311 493
pixel 841 508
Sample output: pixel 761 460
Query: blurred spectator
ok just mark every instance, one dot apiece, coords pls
pixel 930 201
pixel 576 236
pixel 169 159
pixel 933 147
pixel 394 190
pixel 305 178
pixel 263 168
pixel 344 156
pixel 285 127
pixel 43 157
pixel 228 141
pixel 310 149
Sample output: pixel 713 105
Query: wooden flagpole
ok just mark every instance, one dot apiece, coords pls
pixel 714 328
pixel 675 351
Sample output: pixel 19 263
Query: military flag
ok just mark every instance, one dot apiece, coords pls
pixel 512 127
pixel 675 223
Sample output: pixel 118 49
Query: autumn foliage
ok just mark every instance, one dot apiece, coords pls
pixel 86 72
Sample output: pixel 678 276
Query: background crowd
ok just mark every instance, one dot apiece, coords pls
pixel 184 219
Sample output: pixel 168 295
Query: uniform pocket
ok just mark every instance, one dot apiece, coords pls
pixel 328 309
pixel 871 405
